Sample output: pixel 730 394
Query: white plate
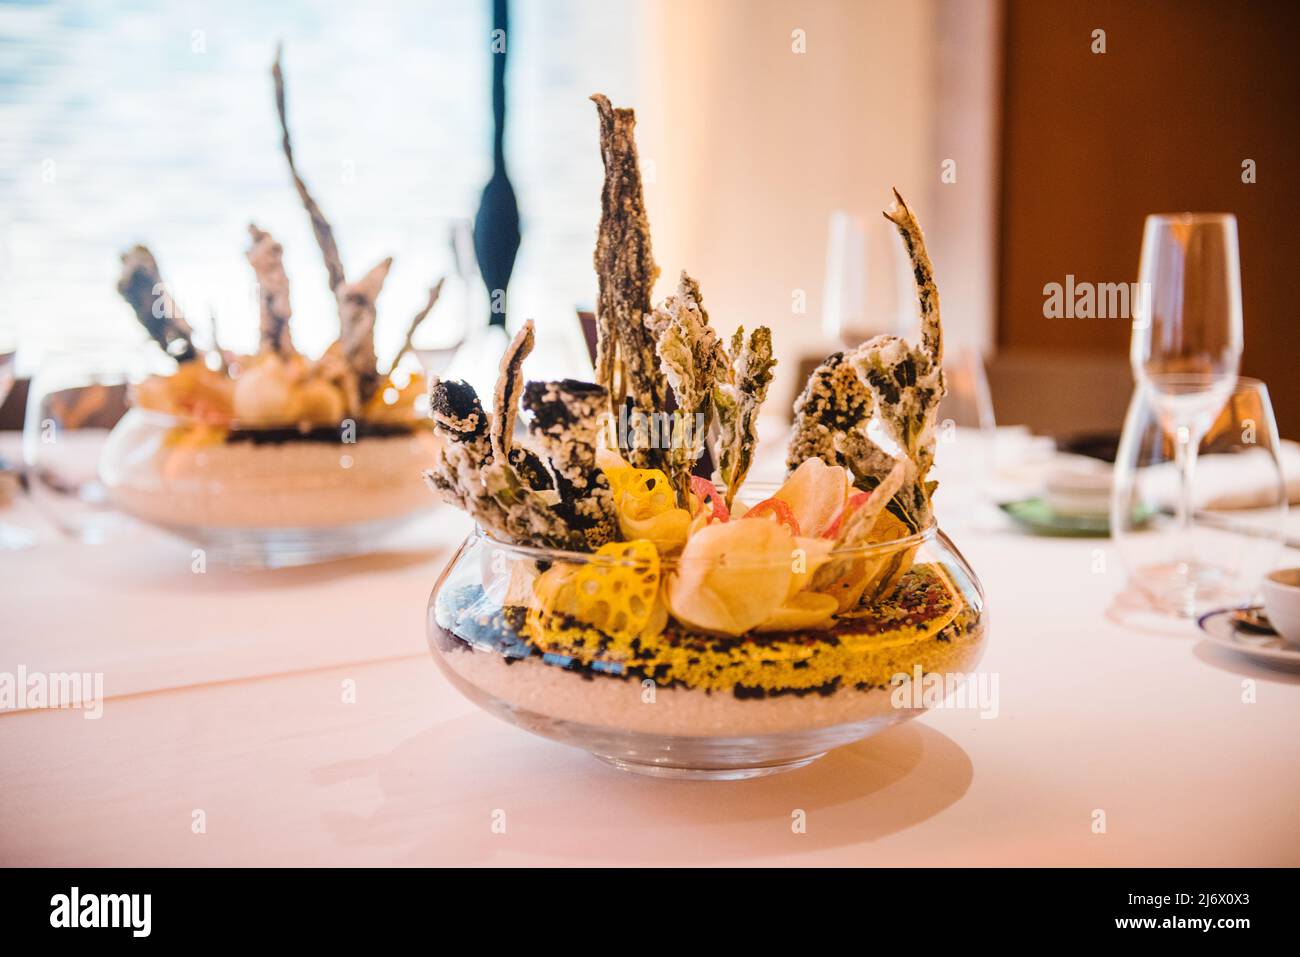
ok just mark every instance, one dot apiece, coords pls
pixel 1222 630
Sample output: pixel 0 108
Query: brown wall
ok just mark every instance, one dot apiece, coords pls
pixel 1160 122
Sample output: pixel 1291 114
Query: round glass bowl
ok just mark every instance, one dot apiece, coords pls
pixel 267 497
pixel 675 700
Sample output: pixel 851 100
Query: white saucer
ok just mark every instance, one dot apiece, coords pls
pixel 1222 630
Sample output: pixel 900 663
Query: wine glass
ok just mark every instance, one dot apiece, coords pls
pixel 965 436
pixel 844 298
pixel 1193 541
pixel 11 537
pixel 1186 352
pixel 75 399
pixel 1187 315
pixel 475 357
pixel 437 341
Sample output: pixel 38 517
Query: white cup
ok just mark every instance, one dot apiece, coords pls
pixel 1282 602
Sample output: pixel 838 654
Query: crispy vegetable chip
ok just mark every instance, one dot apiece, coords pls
pixel 266 256
pixel 626 363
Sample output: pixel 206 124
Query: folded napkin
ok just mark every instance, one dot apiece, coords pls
pixel 1076 484
pixel 1230 481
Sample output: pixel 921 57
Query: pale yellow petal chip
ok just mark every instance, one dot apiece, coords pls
pixel 806 610
pixel 815 493
pixel 732 576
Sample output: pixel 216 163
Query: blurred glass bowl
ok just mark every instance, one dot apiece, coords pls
pixel 267 497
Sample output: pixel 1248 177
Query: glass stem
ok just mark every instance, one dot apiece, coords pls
pixel 1185 448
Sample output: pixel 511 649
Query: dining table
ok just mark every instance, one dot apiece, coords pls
pixel 295 716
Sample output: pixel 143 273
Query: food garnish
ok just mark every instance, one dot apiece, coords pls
pixel 738 402
pixel 888 379
pixel 626 360
pixel 665 543
pixel 694 362
pixel 707 495
pixel 778 510
pixel 141 285
pixel 278 387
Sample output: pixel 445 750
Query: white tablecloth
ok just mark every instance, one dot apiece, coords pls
pixel 298 716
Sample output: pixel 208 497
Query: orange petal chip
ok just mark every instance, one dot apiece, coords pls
pixel 617 596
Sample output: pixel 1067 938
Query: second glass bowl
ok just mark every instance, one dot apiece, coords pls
pixel 267 497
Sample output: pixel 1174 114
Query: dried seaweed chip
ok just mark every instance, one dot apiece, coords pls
pixel 320 226
pixel 567 418
pixel 737 406
pixel 357 314
pixel 510 381
pixel 626 362
pixel 141 285
pixel 266 256
pixel 833 403
pixel 408 341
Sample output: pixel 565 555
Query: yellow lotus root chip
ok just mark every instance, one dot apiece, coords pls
pixel 643 493
pixel 554 610
pixel 617 596
pixel 553 602
pixel 647 506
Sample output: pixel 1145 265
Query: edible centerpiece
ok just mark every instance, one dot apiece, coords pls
pixel 681 624
pixel 273 458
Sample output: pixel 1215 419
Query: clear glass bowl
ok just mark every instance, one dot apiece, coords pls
pixel 687 703
pixel 267 498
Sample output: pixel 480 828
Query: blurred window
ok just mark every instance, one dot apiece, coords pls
pixel 154 122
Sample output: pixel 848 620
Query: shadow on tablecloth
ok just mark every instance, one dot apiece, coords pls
pixel 561 805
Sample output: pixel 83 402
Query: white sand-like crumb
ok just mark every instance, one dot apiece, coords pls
pixel 297 484
pixel 626 705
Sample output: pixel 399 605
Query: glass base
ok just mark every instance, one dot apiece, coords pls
pixel 264 548
pixel 675 772
pixel 1187 589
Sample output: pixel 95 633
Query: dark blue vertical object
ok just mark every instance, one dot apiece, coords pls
pixel 496 227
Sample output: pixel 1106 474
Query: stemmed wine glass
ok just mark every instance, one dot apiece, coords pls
pixel 1186 353
pixel 1187 316
pixel 456 307
pixel 76 397
pixel 844 299
pixel 11 537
